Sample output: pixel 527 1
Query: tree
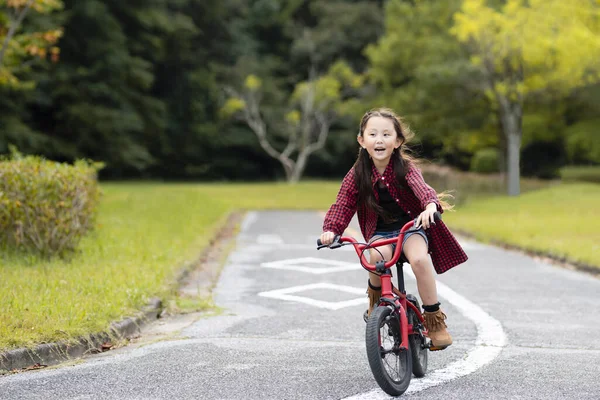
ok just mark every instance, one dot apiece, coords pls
pixel 421 71
pixel 16 47
pixel 525 49
pixel 313 106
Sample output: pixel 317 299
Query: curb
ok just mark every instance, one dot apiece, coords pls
pixel 47 354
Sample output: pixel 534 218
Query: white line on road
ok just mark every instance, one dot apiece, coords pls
pixel 490 341
pixel 285 294
pixel 312 265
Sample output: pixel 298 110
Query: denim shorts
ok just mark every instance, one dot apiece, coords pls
pixel 385 235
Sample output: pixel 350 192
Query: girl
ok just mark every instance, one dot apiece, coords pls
pixel 386 189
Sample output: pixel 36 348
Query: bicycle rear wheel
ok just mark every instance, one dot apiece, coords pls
pixel 391 365
pixel 419 353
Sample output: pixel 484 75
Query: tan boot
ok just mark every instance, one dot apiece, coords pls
pixel 374 296
pixel 434 322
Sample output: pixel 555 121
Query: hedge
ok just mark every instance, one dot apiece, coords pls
pixel 46 207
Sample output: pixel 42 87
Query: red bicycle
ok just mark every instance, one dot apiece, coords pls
pixel 396 338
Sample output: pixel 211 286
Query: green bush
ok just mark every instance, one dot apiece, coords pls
pixel 583 144
pixel 46 207
pixel 486 161
pixel 542 159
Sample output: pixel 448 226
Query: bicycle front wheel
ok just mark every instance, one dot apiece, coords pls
pixel 391 365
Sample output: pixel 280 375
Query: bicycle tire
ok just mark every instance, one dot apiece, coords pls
pixel 394 386
pixel 419 354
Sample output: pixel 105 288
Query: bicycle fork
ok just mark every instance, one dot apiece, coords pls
pixel 387 296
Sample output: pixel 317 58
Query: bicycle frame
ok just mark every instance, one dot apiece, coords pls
pixel 384 269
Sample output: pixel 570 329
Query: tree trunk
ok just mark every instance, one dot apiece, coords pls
pixel 514 169
pixel 299 167
pixel 511 118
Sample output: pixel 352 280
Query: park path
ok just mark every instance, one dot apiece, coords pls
pixel 291 328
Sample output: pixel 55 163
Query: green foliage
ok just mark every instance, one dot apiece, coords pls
pixel 521 49
pixel 19 48
pixel 583 142
pixel 139 84
pixel 253 83
pixel 486 161
pixel 46 207
pixel 232 106
pixel 542 147
pixel 292 131
pixel 542 159
pixel 420 70
pixel 542 127
pixel 525 57
pixel 580 174
pixel 336 37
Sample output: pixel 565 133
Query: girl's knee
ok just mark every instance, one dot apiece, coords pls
pixel 419 263
pixel 374 256
pixel 384 253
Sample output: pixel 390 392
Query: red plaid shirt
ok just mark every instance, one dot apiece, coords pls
pixel 445 251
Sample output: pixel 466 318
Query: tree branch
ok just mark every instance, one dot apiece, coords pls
pixel 307 106
pixel 323 132
pixel 252 117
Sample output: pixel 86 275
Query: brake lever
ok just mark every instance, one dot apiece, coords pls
pixel 336 242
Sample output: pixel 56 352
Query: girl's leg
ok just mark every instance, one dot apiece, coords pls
pixel 374 256
pixel 415 249
pixel 417 254
pixel 374 284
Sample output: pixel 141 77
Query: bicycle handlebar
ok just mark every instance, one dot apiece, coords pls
pixel 339 241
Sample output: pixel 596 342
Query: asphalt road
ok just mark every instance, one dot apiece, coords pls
pixel 291 328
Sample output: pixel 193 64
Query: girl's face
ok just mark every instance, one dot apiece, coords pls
pixel 379 139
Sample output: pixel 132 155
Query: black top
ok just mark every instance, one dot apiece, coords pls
pixel 399 216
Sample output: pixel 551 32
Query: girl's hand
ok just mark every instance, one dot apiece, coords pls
pixel 426 218
pixel 327 237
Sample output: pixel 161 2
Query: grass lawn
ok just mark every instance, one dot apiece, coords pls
pixel 147 231
pixel 145 234
pixel 562 220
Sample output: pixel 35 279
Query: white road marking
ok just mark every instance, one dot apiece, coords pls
pixel 312 265
pixel 490 341
pixel 285 294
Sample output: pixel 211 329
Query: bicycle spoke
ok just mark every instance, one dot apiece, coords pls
pixel 389 362
pixel 390 348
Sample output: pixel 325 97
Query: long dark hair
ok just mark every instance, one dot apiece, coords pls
pixel 401 158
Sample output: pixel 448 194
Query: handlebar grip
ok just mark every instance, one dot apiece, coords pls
pixel 334 245
pixel 437 216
